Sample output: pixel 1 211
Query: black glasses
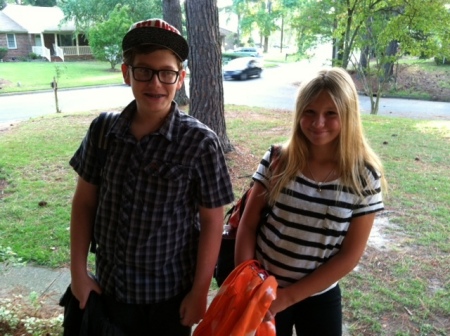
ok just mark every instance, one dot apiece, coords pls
pixel 143 74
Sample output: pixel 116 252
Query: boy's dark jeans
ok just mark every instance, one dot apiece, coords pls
pixel 159 319
pixel 104 316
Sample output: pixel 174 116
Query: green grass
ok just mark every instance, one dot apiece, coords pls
pixel 32 76
pixel 425 64
pixel 403 290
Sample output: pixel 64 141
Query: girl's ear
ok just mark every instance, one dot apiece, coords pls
pixel 126 74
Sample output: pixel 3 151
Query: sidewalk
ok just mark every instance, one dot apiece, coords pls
pixel 47 284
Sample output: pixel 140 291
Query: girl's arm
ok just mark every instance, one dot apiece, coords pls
pixel 246 233
pixel 333 270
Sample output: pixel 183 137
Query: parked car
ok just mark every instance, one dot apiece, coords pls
pixel 242 68
pixel 250 51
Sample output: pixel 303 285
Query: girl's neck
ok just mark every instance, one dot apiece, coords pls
pixel 323 155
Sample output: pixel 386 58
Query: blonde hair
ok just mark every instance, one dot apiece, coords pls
pixel 353 151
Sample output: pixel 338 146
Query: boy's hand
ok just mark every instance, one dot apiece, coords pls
pixel 82 286
pixel 192 309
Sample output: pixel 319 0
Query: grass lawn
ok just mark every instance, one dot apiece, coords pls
pixel 400 288
pixel 32 76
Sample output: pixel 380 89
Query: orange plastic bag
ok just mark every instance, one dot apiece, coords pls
pixel 240 306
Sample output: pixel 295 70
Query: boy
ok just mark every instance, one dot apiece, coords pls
pixel 158 204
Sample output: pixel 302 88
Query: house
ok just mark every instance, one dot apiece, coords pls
pixel 43 31
pixel 227 38
pixel 40 30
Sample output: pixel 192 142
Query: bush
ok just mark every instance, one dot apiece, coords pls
pixel 33 56
pixel 3 52
pixel 440 60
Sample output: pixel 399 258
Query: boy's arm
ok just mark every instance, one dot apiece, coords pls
pixel 84 206
pixel 194 304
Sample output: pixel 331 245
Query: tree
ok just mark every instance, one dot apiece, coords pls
pixel 172 14
pixel 89 12
pixel 237 7
pixel 260 14
pixel 392 31
pixel 205 63
pixel 105 38
pixel 287 9
pixel 313 23
pixel 43 3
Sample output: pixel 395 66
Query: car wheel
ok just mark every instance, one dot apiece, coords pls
pixel 258 74
pixel 243 76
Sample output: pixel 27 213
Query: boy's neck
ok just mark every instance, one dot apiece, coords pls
pixel 143 124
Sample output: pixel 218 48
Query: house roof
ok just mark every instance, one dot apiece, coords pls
pixel 225 32
pixel 34 19
pixel 10 26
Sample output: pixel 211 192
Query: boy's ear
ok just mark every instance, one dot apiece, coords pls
pixel 126 74
pixel 181 78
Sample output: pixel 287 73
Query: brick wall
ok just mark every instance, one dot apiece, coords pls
pixel 23 46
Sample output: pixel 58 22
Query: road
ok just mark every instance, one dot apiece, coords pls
pixel 276 89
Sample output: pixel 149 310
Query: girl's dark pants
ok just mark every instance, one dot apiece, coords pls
pixel 319 315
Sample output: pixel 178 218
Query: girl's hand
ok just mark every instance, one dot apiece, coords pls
pixel 282 302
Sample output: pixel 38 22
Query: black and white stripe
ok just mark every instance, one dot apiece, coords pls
pixel 306 227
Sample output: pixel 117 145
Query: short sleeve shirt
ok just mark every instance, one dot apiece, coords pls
pixel 306 227
pixel 147 222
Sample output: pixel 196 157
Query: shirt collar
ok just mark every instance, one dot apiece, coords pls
pixel 169 129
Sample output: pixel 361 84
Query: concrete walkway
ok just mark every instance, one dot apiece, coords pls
pixel 48 284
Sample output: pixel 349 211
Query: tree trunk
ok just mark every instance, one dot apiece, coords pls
pixel 172 14
pixel 364 58
pixel 205 63
pixel 391 50
pixel 337 51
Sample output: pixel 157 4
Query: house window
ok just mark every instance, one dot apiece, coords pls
pixel 11 41
pixel 65 40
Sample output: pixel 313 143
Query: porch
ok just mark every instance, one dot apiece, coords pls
pixel 59 46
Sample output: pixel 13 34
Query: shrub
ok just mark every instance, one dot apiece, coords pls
pixel 33 56
pixel 440 60
pixel 3 52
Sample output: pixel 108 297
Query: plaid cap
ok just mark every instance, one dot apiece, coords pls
pixel 156 32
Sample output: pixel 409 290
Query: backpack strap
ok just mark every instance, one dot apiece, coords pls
pixel 100 138
pixel 99 134
pixel 234 214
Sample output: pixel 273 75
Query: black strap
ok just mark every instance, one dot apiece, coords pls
pixel 99 134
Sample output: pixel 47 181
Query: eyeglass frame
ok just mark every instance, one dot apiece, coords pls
pixel 153 74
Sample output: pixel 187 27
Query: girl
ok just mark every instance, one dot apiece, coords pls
pixel 324 193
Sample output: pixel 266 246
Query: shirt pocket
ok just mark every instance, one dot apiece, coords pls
pixel 167 183
pixel 167 171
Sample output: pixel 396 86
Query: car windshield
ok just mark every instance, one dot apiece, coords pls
pixel 239 61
